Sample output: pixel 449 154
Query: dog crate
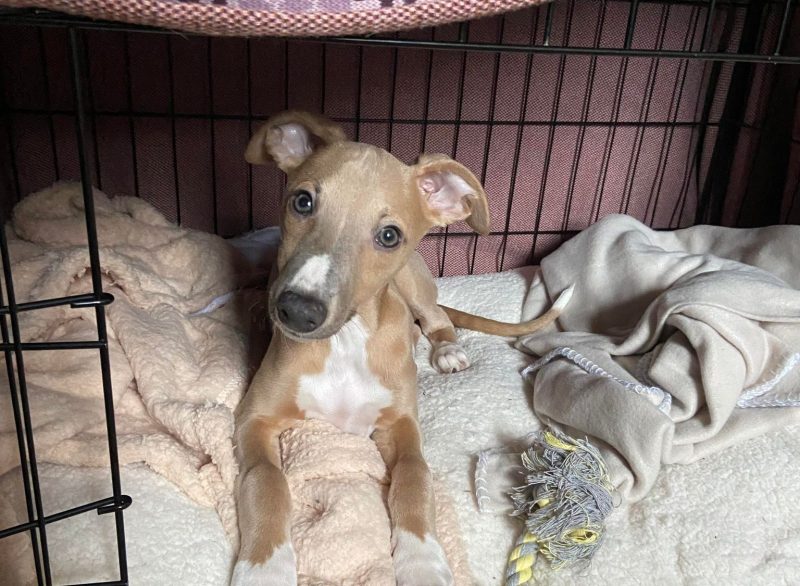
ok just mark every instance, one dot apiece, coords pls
pixel 677 113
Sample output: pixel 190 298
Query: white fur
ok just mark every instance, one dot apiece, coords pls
pixel 419 562
pixel 278 570
pixel 564 298
pixel 312 275
pixel 346 393
pixel 449 357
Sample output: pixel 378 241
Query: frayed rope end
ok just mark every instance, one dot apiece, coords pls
pixel 565 500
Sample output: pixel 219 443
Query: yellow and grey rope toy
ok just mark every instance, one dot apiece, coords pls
pixel 565 500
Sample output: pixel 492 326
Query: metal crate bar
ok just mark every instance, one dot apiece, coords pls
pixel 365 120
pixel 74 301
pixel 102 506
pixel 77 64
pixel 29 468
pixel 13 349
pixel 71 345
pixel 21 443
pixel 113 583
pixel 564 50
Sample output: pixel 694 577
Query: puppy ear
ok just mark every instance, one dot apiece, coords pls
pixel 290 137
pixel 450 192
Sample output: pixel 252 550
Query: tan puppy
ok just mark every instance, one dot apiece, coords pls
pixel 348 290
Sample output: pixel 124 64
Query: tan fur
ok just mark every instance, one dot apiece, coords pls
pixel 447 334
pixel 262 487
pixel 498 328
pixel 356 189
pixel 415 284
pixel 411 498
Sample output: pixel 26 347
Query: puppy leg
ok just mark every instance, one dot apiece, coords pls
pixel 266 556
pixel 418 557
pixel 416 285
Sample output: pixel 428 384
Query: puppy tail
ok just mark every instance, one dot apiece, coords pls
pixel 477 323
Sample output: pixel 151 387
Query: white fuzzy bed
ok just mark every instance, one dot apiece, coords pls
pixel 732 518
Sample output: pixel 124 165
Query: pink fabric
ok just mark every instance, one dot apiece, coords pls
pixel 293 18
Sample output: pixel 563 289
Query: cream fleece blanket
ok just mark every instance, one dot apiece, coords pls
pixel 731 519
pixel 182 351
pixel 176 376
pixel 340 523
pixel 677 344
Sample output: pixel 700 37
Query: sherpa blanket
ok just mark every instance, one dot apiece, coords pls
pixel 176 374
pixel 338 481
pixel 294 18
pixel 676 344
pixel 730 519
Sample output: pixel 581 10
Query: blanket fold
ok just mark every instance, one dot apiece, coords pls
pixel 338 481
pixel 176 376
pixel 676 344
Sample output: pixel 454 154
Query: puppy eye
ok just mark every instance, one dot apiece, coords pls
pixel 388 236
pixel 303 203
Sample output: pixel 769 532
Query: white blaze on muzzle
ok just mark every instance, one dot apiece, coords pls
pixel 312 276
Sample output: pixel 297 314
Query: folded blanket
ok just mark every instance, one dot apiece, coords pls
pixel 340 524
pixel 677 344
pixel 176 376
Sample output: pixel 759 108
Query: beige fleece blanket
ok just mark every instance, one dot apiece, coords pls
pixel 182 352
pixel 176 376
pixel 677 344
pixel 340 523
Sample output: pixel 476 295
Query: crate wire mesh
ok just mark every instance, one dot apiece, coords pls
pixel 566 112
pixel 629 107
pixel 14 348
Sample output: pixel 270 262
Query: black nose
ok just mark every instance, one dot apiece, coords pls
pixel 300 313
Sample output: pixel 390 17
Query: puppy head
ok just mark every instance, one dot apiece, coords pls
pixel 352 214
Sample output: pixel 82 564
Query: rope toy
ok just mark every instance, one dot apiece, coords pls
pixel 565 500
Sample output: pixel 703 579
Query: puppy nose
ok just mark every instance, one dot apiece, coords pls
pixel 300 313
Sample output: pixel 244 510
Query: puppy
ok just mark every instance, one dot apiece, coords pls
pixel 345 300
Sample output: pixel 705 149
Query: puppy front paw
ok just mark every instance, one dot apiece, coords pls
pixel 280 569
pixel 419 562
pixel 449 357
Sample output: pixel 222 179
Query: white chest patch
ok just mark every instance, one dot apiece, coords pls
pixel 347 393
